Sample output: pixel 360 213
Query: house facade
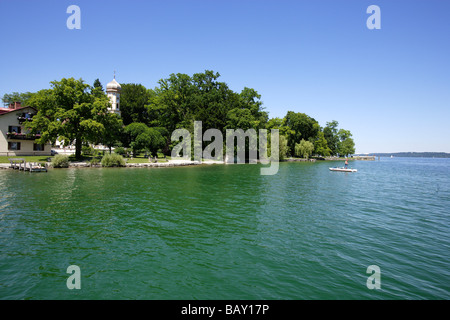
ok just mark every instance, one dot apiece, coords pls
pixel 15 140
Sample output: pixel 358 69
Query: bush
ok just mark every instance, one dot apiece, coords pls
pixel 113 160
pixel 60 161
pixel 94 162
pixel 120 150
pixel 87 150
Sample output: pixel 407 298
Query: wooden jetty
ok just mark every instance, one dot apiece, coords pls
pixel 367 158
pixel 21 164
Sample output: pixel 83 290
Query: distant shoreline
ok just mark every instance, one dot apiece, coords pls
pixel 410 154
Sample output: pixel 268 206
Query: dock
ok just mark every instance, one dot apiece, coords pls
pixel 366 158
pixel 21 165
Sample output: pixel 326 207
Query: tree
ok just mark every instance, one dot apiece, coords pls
pixel 134 99
pixel 98 84
pixel 304 149
pixel 24 98
pixel 70 112
pixel 346 144
pixel 321 146
pixel 284 148
pixel 182 99
pixel 241 119
pixel 171 102
pixel 303 127
pixel 166 139
pixel 280 124
pixel 331 135
pixel 156 142
pixel 142 137
pixel 113 130
pixel 251 100
pixel 97 89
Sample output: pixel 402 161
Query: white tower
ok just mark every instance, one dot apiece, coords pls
pixel 113 90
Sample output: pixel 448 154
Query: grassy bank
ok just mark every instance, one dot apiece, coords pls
pixel 142 159
pixel 42 159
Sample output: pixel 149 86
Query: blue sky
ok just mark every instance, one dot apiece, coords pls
pixel 389 87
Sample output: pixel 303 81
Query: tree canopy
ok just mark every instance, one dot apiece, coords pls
pixel 23 98
pixel 144 138
pixel 70 112
pixel 75 112
pixel 302 126
pixel 304 149
pixel 134 99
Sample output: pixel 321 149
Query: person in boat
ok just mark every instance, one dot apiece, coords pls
pixel 346 163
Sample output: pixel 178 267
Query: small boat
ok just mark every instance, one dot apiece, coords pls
pixel 343 169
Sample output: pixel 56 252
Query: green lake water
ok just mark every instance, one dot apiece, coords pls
pixel 226 232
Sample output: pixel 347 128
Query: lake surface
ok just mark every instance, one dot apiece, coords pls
pixel 226 232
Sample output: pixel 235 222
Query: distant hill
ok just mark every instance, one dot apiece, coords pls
pixel 414 154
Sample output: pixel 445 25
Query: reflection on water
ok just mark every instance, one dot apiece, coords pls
pixel 226 232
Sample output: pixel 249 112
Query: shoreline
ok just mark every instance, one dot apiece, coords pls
pixel 168 164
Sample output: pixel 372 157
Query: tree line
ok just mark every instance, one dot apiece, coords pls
pixel 77 113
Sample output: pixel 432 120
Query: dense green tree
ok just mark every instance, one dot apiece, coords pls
pixel 250 100
pixel 181 99
pixel 165 139
pixel 171 102
pixel 320 145
pixel 24 98
pixel 304 149
pixel 331 135
pixel 303 127
pixel 280 124
pixel 98 84
pixel 68 111
pixel 241 119
pixel 113 130
pixel 134 99
pixel 97 89
pixel 283 147
pixel 346 143
pixel 274 123
pixel 142 137
pixel 133 130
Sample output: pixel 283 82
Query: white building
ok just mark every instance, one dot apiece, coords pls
pixel 15 140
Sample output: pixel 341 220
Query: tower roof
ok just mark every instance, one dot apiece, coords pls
pixel 113 85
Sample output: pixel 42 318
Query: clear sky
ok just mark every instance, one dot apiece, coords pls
pixel 390 87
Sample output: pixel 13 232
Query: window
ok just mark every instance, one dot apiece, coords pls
pixel 13 145
pixel 38 147
pixel 15 129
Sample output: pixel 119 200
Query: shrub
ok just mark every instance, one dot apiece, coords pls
pixel 120 150
pixel 60 161
pixel 113 160
pixel 87 150
pixel 94 161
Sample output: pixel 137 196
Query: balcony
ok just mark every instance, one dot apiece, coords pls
pixel 25 117
pixel 22 136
